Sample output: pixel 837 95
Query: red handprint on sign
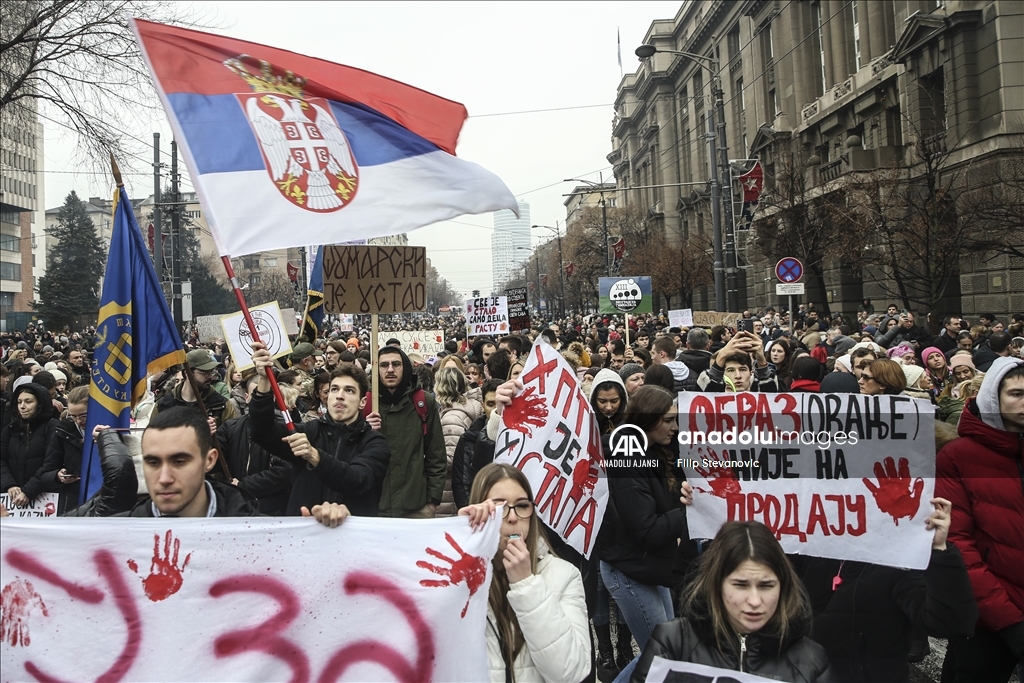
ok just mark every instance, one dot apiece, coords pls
pixel 525 412
pixel 584 477
pixel 49 510
pixel 893 494
pixel 468 568
pixel 17 601
pixel 722 479
pixel 164 578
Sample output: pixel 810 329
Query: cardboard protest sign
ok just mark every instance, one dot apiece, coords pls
pixel 845 476
pixel 44 505
pixel 518 311
pixel 291 322
pixel 270 326
pixel 245 599
pixel 487 316
pixel 682 317
pixel 711 319
pixel 375 279
pixel 550 433
pixel 427 343
pixel 627 294
pixel 669 671
pixel 208 327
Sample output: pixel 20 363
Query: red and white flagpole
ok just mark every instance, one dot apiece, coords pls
pixel 256 338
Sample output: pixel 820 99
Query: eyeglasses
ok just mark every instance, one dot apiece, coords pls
pixel 393 364
pixel 867 378
pixel 78 418
pixel 524 510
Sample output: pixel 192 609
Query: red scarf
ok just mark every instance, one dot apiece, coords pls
pixel 805 385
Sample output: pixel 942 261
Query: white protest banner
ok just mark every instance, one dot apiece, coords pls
pixel 682 317
pixel 347 323
pixel 44 505
pixel 669 671
pixel 269 324
pixel 245 599
pixel 427 343
pixel 845 476
pixel 209 329
pixel 550 433
pixel 487 316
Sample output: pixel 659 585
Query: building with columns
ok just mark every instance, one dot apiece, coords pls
pixel 834 90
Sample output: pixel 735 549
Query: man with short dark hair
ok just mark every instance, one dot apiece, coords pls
pixel 79 369
pixel 512 344
pixel 740 366
pixel 996 346
pixel 618 355
pixel 946 341
pixel 664 353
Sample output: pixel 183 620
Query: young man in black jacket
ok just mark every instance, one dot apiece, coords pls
pixel 337 458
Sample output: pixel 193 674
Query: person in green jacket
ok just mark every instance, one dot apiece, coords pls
pixel 414 483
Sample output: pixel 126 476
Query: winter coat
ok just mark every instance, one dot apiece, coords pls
pixel 684 640
pixel 119 492
pixel 64 451
pixel 455 420
pixel 681 378
pixel 217 406
pixel 695 359
pixel 984 356
pixel 473 452
pixel 231 502
pixel 982 474
pixel 265 476
pixel 23 445
pixel 609 378
pixel 712 380
pixel 353 459
pixel 552 613
pixel 898 335
pixel 866 624
pixel 950 409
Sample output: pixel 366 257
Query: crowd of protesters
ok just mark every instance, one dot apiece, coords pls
pixel 427 450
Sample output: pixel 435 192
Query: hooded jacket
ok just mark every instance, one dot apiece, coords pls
pixel 23 444
pixel 608 376
pixel 64 451
pixel 982 474
pixel 797 658
pixel 419 463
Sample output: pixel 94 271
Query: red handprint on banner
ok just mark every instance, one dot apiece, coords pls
pixel 164 578
pixel 722 479
pixel 49 510
pixel 584 477
pixel 468 568
pixel 17 601
pixel 525 412
pixel 893 494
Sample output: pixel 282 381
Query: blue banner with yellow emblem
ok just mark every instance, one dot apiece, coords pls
pixel 135 337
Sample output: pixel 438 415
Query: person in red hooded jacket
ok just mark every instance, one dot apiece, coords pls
pixel 982 474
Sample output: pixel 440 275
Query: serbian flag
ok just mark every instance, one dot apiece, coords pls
pixel 286 150
pixel 752 182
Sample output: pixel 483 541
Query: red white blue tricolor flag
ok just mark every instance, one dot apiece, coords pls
pixel 287 150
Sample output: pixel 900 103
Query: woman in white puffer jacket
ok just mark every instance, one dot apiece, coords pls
pixel 537 613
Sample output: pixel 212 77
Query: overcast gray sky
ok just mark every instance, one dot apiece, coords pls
pixel 529 73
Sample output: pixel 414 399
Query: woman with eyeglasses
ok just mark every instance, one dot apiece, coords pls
pixel 883 376
pixel 537 628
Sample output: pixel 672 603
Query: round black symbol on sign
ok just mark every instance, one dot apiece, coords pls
pixel 625 295
pixel 266 327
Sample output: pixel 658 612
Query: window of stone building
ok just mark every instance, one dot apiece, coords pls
pixel 855 23
pixel 820 40
pixel 932 96
pixel 733 42
pixel 10 271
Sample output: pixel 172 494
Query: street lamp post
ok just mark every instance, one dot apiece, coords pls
pixel 561 274
pixel 536 259
pixel 723 294
pixel 604 214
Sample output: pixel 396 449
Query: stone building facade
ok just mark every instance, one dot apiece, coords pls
pixel 845 86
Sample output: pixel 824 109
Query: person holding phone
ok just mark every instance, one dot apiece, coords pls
pixel 740 366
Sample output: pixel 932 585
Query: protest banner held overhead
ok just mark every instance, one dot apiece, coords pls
pixel 375 279
pixel 248 599
pixel 208 328
pixel 625 295
pixel 680 318
pixel 845 476
pixel 518 309
pixel 487 316
pixel 550 433
pixel 712 318
pixel 270 326
pixel 427 343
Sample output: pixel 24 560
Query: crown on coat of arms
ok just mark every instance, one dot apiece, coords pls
pixel 266 80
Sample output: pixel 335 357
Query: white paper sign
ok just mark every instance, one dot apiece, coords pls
pixel 347 323
pixel 44 505
pixel 245 599
pixel 487 316
pixel 682 317
pixel 550 433
pixel 209 329
pixel 661 669
pixel 270 326
pixel 291 322
pixel 427 343
pixel 845 476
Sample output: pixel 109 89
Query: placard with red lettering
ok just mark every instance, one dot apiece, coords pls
pixel 487 316
pixel 245 599
pixel 845 476
pixel 550 433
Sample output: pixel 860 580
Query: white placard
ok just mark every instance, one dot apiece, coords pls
pixel 291 324
pixel 347 323
pixel 209 329
pixel 245 599
pixel 427 343
pixel 44 505
pixel 661 668
pixel 487 316
pixel 788 288
pixel 682 317
pixel 269 325
pixel 845 476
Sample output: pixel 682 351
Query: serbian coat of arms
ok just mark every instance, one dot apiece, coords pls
pixel 304 149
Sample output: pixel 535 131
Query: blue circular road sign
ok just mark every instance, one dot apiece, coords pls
pixel 789 269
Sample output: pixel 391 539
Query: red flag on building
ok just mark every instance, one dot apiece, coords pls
pixel 543 279
pixel 619 248
pixel 569 268
pixel 753 183
pixel 293 273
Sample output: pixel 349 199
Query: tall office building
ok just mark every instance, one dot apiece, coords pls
pixel 510 244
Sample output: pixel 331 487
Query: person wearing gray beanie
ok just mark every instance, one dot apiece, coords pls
pixel 630 369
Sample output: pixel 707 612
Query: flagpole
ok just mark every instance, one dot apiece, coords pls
pixel 375 372
pixel 282 406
